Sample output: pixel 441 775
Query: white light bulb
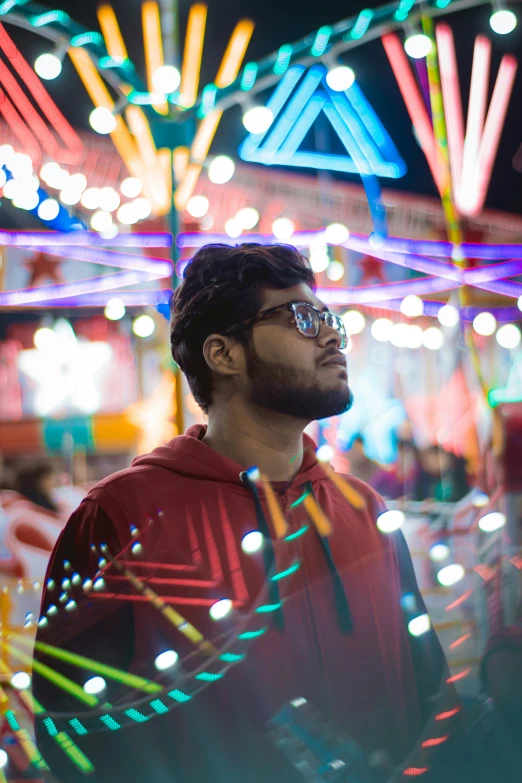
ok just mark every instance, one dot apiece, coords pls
pixel 399 335
pixel 335 270
pixel 390 520
pixel 131 187
pixel 412 306
pixel 220 609
pixel 252 542
pixel 354 321
pixel 4 758
pixel 381 329
pixel 57 178
pixel 6 153
pixel 491 522
pixel 143 326
pixel 94 685
pixel 109 199
pixel 283 228
pixel 248 218
pixel 451 574
pixel 485 324
pixel 142 207
pixel 439 552
pixel 508 336
pixel 165 660
pixel 233 228
pixel 11 188
pixel 26 198
pixel 448 315
pixel 70 197
pixel 21 681
pixel 336 234
pixel 45 339
pixel 414 336
pixel 503 21
pixel 221 170
pixel 3 177
pixel 78 182
pixel 114 309
pixel 48 66
pixel 20 166
pixel 419 625
pixel 433 339
pixel 49 209
pixel 110 232
pixel 340 78
pixel 319 258
pixel 324 453
pixel 101 220
pixel 479 498
pixel 102 120
pixel 127 214
pixel 166 79
pixel 417 46
pixel 258 119
pixel 197 206
pixel 90 198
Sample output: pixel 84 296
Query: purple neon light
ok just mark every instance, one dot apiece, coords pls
pixel 56 292
pixel 385 292
pixel 160 267
pixel 129 299
pixel 91 238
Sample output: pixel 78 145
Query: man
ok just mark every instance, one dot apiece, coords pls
pixel 258 575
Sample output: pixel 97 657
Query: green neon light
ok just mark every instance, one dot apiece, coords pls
pixel 403 10
pixel 300 499
pixel 133 714
pixel 179 695
pixel 111 724
pixel 103 669
pixel 297 534
pixel 293 568
pixel 159 707
pixel 321 41
pixel 50 726
pixel 284 56
pixel 208 676
pixel 78 726
pixel 268 608
pixel 87 38
pixel 442 3
pixel 8 5
pixel 11 719
pixel 50 16
pixel 361 25
pixel 208 99
pixel 229 657
pixel 249 76
pixel 118 62
pixel 499 396
pixel 252 634
pixel 73 751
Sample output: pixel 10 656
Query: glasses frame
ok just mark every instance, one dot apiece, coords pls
pixel 323 316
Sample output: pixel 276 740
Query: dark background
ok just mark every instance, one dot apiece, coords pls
pixel 282 21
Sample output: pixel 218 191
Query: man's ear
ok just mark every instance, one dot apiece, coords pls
pixel 222 354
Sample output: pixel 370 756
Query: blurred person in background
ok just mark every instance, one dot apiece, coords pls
pixel 321 591
pixel 37 483
pixel 443 476
pixel 361 466
pixel 401 479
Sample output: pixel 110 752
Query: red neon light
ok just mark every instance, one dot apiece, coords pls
pixel 459 601
pixel 459 676
pixel 19 128
pixel 452 102
pixel 460 641
pixel 414 771
pixel 213 554
pixel 433 742
pixel 448 714
pixel 44 100
pixel 166 580
pixel 414 104
pixel 194 543
pixel 236 574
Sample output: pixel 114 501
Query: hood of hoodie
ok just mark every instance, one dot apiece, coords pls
pixel 187 455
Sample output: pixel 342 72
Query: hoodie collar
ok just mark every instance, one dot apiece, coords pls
pixel 188 455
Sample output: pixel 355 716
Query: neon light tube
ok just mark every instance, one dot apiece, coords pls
pixel 111 32
pixel 192 54
pixel 452 101
pixel 153 46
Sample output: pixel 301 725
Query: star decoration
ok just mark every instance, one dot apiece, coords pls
pixel 42 267
pixel 154 416
pixel 371 269
pixel 63 371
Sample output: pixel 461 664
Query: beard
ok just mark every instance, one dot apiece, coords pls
pixel 290 391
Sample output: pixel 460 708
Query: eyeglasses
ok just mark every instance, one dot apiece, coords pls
pixel 307 320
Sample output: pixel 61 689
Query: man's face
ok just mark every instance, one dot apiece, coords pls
pixel 293 374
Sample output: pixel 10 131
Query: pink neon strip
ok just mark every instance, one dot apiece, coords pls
pixel 19 128
pixel 42 97
pixel 157 566
pixel 168 580
pixel 167 599
pixel 452 102
pixel 414 103
pixel 493 129
pixel 475 122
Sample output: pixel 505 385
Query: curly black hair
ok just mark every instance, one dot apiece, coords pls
pixel 224 285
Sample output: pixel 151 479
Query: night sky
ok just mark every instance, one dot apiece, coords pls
pixel 279 22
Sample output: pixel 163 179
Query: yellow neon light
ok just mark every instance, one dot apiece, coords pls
pixel 192 55
pixel 180 159
pixel 228 70
pixel 111 32
pixel 153 44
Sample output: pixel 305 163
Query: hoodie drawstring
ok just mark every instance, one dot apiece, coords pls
pixel 342 606
pixel 268 551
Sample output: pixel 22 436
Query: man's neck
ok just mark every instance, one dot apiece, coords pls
pixel 255 436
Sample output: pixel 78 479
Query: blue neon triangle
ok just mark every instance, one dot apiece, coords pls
pixel 297 102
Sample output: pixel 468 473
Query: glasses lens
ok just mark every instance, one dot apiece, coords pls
pixel 307 320
pixel 337 324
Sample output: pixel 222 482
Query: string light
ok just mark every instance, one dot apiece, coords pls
pixel 220 609
pixel 502 21
pixel 233 228
pixel 412 306
pixel 433 339
pixel 114 311
pixel 48 66
pixel 380 329
pixel 221 169
pixel 166 79
pixel 94 685
pixel 48 209
pixel 485 324
pixel 354 321
pixel 131 187
pixel 252 542
pixel 335 270
pixel 283 228
pixel 439 552
pixel 248 218
pixel 391 520
pixel 451 574
pixel 102 120
pixel 508 336
pixel 197 206
pixel 491 522
pixel 448 315
pixel 143 326
pixel 165 660
pixel 336 234
pixel 417 46
pixel 419 625
pixel 340 78
pixel 258 119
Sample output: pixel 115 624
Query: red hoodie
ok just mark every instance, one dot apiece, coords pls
pixel 329 627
